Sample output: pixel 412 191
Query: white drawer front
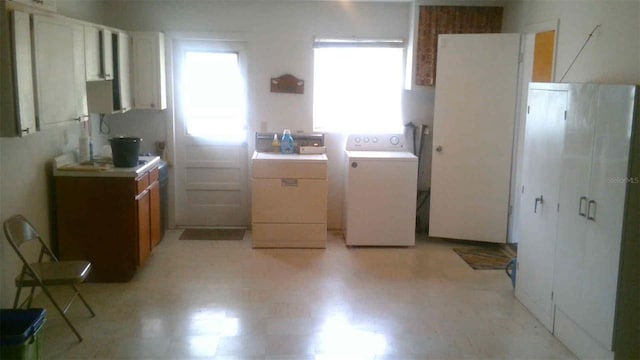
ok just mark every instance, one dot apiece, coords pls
pixel 289 169
pixel 289 201
pixel 289 235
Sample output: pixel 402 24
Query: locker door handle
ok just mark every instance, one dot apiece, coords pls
pixel 583 199
pixel 595 205
pixel 538 200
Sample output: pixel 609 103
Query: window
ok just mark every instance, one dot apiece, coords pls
pixel 357 86
pixel 213 95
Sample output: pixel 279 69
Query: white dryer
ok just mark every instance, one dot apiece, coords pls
pixel 380 191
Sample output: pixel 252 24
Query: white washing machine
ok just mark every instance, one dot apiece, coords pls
pixel 380 191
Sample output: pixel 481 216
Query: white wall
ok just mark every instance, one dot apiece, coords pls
pixel 25 176
pixel 279 36
pixel 613 53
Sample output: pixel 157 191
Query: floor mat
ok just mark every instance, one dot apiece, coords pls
pixel 490 257
pixel 212 234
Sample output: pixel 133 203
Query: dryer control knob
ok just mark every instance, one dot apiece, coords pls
pixel 394 140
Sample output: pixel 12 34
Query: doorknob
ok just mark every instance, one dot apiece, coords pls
pixel 439 148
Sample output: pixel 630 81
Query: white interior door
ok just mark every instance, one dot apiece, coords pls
pixel 210 133
pixel 475 104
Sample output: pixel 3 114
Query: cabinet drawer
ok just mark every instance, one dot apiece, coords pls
pixel 289 235
pixel 289 201
pixel 289 169
pixel 142 183
pixel 153 175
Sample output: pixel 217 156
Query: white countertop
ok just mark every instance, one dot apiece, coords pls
pixel 288 157
pixel 66 165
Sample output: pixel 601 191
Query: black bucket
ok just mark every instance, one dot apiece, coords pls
pixel 125 151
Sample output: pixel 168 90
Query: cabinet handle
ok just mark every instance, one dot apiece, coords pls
pixel 289 182
pixel 595 205
pixel 580 212
pixel 538 200
pixel 26 131
pixel 142 194
pixel 79 118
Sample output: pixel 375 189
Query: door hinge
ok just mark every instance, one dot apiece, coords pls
pixel 558 207
pixel 552 296
pixel 520 57
pixel 522 191
pixel 528 109
pixel 565 114
pixel 510 209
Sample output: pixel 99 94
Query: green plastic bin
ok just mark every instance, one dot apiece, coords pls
pixel 19 333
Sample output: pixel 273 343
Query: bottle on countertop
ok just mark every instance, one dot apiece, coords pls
pixel 84 145
pixel 275 143
pixel 287 146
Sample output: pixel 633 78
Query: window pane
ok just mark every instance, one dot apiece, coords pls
pixel 358 89
pixel 213 96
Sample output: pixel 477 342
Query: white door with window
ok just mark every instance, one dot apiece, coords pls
pixel 210 133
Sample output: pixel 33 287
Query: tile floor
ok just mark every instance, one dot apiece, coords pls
pixel 224 300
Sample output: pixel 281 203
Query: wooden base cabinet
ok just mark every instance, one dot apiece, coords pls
pixel 113 222
pixel 586 253
pixel 289 201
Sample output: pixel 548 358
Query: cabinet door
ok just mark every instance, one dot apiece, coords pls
pixel 106 54
pixel 605 210
pixel 23 68
pixel 92 53
pixel 539 201
pixel 59 68
pixel 123 87
pixel 98 45
pixel 144 229
pixel 149 88
pixel 574 192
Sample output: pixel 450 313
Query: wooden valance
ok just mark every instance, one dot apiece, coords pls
pixel 435 20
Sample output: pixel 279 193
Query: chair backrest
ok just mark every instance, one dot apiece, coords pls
pixel 18 231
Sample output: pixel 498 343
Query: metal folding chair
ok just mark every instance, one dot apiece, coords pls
pixel 43 273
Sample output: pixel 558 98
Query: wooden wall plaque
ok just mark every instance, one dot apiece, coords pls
pixel 287 84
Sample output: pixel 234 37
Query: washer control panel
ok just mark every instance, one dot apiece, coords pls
pixel 376 142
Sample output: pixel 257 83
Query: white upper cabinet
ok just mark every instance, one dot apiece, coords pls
pixel 149 85
pixel 59 56
pixel 48 5
pixel 98 53
pixel 106 97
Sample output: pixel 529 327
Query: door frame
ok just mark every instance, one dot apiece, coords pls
pixel 170 38
pixel 525 72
